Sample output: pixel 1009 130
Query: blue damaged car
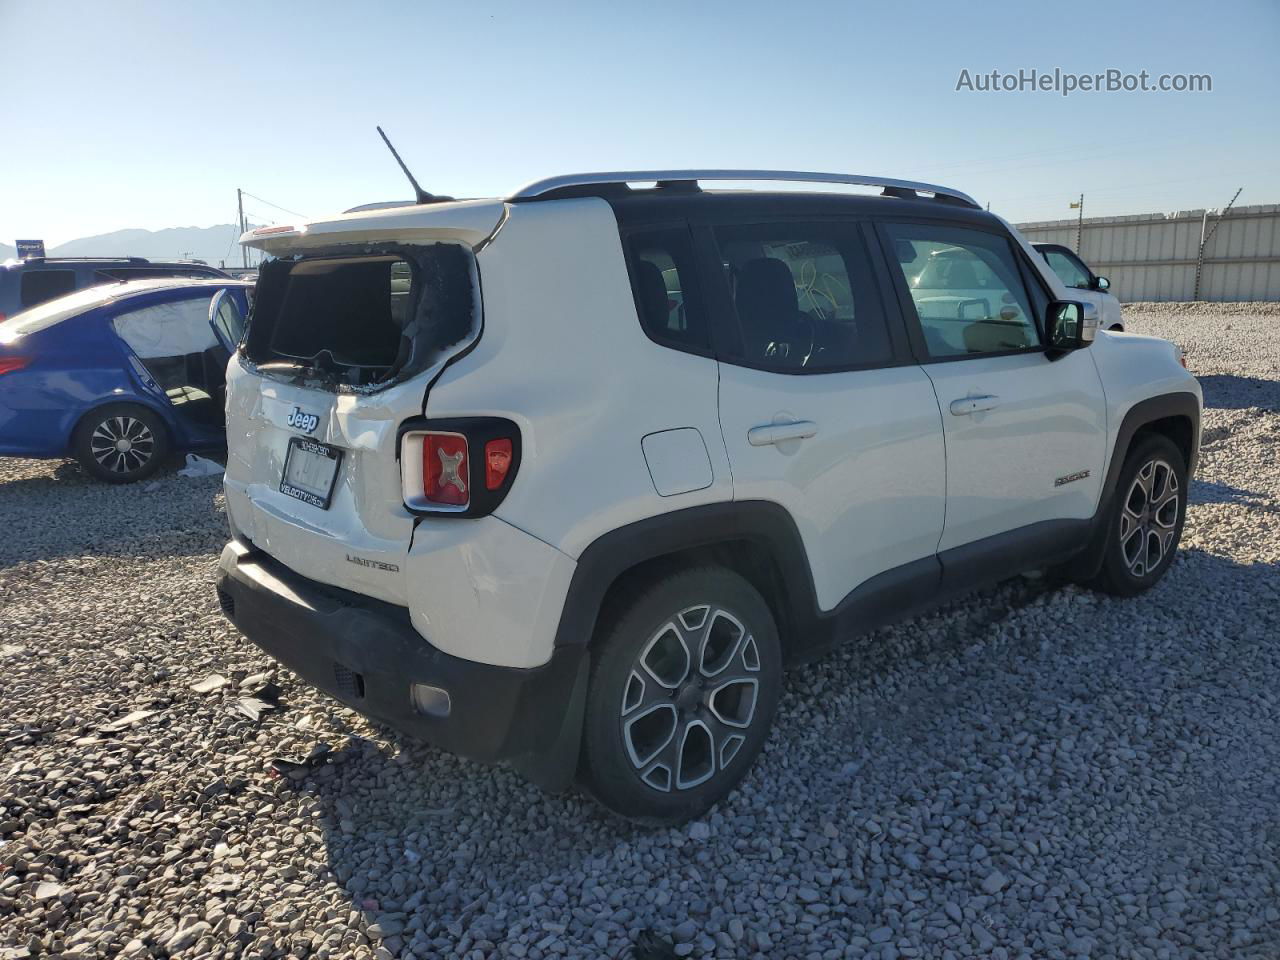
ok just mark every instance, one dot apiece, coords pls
pixel 120 376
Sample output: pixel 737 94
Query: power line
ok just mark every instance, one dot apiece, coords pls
pixel 277 206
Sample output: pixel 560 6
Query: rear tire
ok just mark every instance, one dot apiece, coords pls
pixel 1144 522
pixel 683 688
pixel 120 443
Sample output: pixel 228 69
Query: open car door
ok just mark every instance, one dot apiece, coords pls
pixel 227 320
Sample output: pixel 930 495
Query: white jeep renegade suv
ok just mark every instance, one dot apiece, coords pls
pixel 565 479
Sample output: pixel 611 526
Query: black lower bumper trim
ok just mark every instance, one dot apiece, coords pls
pixel 367 654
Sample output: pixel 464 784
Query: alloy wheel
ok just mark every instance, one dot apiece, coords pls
pixel 1149 517
pixel 122 444
pixel 690 698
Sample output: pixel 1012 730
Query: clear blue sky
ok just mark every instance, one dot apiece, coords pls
pixel 150 114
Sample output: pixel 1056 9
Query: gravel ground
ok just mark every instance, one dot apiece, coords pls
pixel 1023 774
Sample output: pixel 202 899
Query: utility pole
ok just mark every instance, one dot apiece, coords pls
pixel 1204 241
pixel 1079 221
pixel 244 251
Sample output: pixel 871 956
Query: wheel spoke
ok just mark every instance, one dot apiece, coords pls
pixel 666 658
pixel 650 732
pixel 720 643
pixel 1155 548
pixel 643 692
pixel 696 761
pixel 726 738
pixel 1145 478
pixel 733 702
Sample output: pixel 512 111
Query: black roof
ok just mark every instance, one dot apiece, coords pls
pixel 657 206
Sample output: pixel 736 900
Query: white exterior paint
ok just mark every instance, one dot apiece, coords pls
pixel 678 461
pixel 1043 419
pixel 467 221
pixel 867 489
pixel 876 470
pixel 564 356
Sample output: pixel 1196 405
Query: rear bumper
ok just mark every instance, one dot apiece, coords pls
pixel 367 654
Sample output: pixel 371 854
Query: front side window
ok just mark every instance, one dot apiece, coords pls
pixel 967 290
pixel 663 280
pixel 1069 270
pixel 41 285
pixel 804 296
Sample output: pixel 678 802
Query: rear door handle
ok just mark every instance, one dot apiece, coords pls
pixel 777 432
pixel 967 405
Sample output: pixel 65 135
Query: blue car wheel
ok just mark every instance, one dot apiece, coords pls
pixel 121 443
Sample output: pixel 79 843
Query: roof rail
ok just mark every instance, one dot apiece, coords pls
pixel 84 260
pixel 570 184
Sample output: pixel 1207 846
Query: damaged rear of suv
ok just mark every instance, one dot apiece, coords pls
pixel 563 480
pixel 348 550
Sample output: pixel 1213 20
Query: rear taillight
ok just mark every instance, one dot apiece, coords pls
pixel 445 469
pixel 497 461
pixel 462 466
pixel 10 364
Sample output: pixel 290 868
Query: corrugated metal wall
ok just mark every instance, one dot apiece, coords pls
pixel 1153 256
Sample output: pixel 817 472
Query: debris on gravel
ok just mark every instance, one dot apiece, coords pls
pixel 1032 772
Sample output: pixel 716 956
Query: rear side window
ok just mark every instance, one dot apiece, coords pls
pixel 664 283
pixel 41 285
pixel 805 296
pixel 362 320
pixel 967 289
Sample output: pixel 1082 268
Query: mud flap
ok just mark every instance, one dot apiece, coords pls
pixel 555 769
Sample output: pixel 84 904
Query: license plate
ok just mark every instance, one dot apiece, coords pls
pixel 310 471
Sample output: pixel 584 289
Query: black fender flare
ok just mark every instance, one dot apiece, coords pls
pixel 1183 403
pixel 614 553
pixel 1162 407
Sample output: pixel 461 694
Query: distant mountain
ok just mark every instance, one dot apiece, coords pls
pixel 211 244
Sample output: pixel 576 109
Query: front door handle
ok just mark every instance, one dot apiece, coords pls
pixel 967 405
pixel 777 432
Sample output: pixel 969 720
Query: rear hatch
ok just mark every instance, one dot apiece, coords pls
pixel 343 341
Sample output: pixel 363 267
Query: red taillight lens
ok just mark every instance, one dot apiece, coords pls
pixel 10 364
pixel 445 469
pixel 497 461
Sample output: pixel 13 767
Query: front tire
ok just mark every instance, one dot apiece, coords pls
pixel 1145 521
pixel 684 685
pixel 121 443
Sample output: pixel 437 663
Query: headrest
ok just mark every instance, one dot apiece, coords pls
pixel 653 295
pixel 766 295
pixel 962 276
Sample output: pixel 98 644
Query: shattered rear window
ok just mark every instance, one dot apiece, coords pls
pixel 362 319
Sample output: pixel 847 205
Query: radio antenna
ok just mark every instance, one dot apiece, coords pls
pixel 420 195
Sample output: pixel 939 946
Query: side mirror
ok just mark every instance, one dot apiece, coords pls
pixel 1071 325
pixel 1101 283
